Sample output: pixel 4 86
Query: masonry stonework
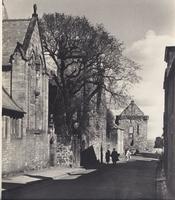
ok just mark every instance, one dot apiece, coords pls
pixel 134 123
pixel 29 86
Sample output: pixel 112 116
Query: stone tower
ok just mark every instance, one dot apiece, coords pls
pixel 134 123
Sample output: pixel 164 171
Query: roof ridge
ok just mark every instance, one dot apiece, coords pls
pixel 29 32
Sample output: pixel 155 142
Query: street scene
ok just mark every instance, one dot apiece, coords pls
pixel 88 101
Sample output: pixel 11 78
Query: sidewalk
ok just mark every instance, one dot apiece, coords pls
pixel 31 177
pixel 14 182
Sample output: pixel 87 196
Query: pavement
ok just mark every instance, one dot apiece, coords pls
pixel 21 180
pixel 134 179
pixel 56 172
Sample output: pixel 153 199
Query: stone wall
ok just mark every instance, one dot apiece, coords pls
pixel 96 130
pixel 97 133
pixel 115 140
pixel 37 151
pixel 68 153
pixel 13 155
pixel 24 154
pixel 64 154
pixel 139 137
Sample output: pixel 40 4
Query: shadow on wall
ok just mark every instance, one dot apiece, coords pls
pixel 88 158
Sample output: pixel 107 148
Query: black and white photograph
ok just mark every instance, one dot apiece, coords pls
pixel 88 100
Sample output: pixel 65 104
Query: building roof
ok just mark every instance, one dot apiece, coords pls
pixel 9 104
pixel 13 31
pixel 132 110
pixel 16 34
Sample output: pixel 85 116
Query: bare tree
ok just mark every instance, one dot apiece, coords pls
pixel 89 61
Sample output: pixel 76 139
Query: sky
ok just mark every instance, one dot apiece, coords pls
pixel 145 26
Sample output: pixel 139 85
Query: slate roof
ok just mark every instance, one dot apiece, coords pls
pixel 13 31
pixel 132 110
pixel 9 104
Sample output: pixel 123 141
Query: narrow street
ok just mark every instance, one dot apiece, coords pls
pixel 127 180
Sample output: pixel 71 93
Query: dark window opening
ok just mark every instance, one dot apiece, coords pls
pixel 138 129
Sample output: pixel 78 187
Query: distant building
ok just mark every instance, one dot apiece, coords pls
pixel 115 139
pixel 169 116
pixel 134 123
pixel 25 142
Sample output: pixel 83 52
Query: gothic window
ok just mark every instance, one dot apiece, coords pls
pixel 38 87
pixel 138 129
pixel 131 132
pixel 38 73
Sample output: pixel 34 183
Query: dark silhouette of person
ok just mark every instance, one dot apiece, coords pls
pixel 107 156
pixel 114 156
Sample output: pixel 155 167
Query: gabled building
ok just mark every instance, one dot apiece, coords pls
pixel 25 142
pixel 134 123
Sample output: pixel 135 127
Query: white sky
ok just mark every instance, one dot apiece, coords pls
pixel 145 27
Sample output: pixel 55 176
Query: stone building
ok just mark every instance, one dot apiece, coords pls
pixel 134 123
pixel 115 139
pixel 114 134
pixel 25 142
pixel 169 117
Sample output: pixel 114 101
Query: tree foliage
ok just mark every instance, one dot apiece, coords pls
pixel 89 61
pixel 158 143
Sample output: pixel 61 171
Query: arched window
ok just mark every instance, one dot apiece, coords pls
pixel 131 132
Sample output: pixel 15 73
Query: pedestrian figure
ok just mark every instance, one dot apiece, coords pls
pixel 114 156
pixel 107 156
pixel 128 155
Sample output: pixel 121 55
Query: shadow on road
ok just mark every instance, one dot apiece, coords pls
pixel 130 180
pixel 7 186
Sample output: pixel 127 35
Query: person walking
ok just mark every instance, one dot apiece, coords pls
pixel 114 156
pixel 128 155
pixel 107 156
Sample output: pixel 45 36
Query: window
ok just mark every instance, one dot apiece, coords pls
pixel 131 132
pixel 16 128
pixel 4 126
pixel 131 129
pixel 138 129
